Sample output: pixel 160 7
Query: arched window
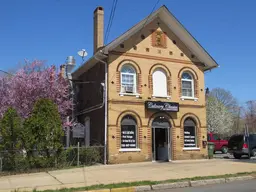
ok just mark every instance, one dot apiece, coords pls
pixel 128 132
pixel 159 83
pixel 187 83
pixel 128 79
pixel 190 133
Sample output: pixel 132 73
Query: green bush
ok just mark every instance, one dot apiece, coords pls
pixel 90 155
pixel 15 162
pixel 43 133
pixel 87 156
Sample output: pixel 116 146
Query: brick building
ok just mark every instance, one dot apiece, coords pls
pixel 154 107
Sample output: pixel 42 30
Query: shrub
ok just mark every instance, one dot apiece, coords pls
pixel 43 132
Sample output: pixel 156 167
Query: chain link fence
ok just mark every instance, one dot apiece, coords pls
pixel 21 161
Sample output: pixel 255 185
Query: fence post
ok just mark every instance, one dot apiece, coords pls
pixel 78 153
pixel 1 164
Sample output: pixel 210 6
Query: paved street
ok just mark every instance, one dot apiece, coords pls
pixel 244 186
pixel 219 155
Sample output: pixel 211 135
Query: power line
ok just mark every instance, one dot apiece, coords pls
pixel 6 72
pixel 150 14
pixel 111 18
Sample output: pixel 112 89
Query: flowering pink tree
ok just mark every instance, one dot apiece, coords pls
pixel 31 83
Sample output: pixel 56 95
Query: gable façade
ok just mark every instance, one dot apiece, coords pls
pixel 156 40
pixel 134 51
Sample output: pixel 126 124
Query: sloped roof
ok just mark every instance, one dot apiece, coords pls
pixel 175 26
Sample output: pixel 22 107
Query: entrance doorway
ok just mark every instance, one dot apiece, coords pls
pixel 161 139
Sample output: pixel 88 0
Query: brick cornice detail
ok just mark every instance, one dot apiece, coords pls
pixel 155 58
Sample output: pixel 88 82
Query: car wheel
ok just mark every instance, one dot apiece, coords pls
pixel 224 149
pixel 253 154
pixel 237 156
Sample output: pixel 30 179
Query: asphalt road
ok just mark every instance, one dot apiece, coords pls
pixel 219 155
pixel 244 186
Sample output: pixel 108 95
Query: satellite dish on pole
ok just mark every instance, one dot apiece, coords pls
pixel 82 53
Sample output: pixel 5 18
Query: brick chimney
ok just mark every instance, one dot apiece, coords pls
pixel 98 28
pixel 63 71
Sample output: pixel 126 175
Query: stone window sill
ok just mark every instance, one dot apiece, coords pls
pixel 129 94
pixel 188 98
pixel 191 149
pixel 129 150
pixel 156 96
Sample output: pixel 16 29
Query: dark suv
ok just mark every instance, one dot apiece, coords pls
pixel 239 145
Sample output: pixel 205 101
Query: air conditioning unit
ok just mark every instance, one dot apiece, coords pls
pixel 129 89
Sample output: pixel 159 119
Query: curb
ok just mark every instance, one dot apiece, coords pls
pixel 242 178
pixel 171 185
pixel 182 184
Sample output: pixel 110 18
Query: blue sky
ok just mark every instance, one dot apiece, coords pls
pixel 51 30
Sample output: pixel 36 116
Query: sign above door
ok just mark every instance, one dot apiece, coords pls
pixel 162 106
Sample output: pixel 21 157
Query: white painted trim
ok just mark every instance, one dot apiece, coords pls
pixel 156 96
pixel 129 94
pixel 191 149
pixel 188 98
pixel 129 149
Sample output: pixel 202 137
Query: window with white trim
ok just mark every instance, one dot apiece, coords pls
pixel 190 135
pixel 128 79
pixel 128 133
pixel 159 83
pixel 187 84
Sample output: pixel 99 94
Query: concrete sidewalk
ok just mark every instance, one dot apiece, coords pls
pixel 108 174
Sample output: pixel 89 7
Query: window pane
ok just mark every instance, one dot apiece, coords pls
pixel 215 137
pixel 128 83
pixel 189 136
pixel 187 84
pixel 128 69
pixel 187 92
pixel 187 89
pixel 128 136
pixel 186 76
pixel 189 122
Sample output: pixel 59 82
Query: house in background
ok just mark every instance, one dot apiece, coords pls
pixel 154 104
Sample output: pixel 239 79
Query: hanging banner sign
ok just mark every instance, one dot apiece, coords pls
pixel 162 106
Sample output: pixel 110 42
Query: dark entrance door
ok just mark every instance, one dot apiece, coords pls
pixel 161 139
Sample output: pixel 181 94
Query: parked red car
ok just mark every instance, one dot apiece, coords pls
pixel 220 145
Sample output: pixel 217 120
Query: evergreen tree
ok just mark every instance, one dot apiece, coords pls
pixel 43 132
pixel 11 133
